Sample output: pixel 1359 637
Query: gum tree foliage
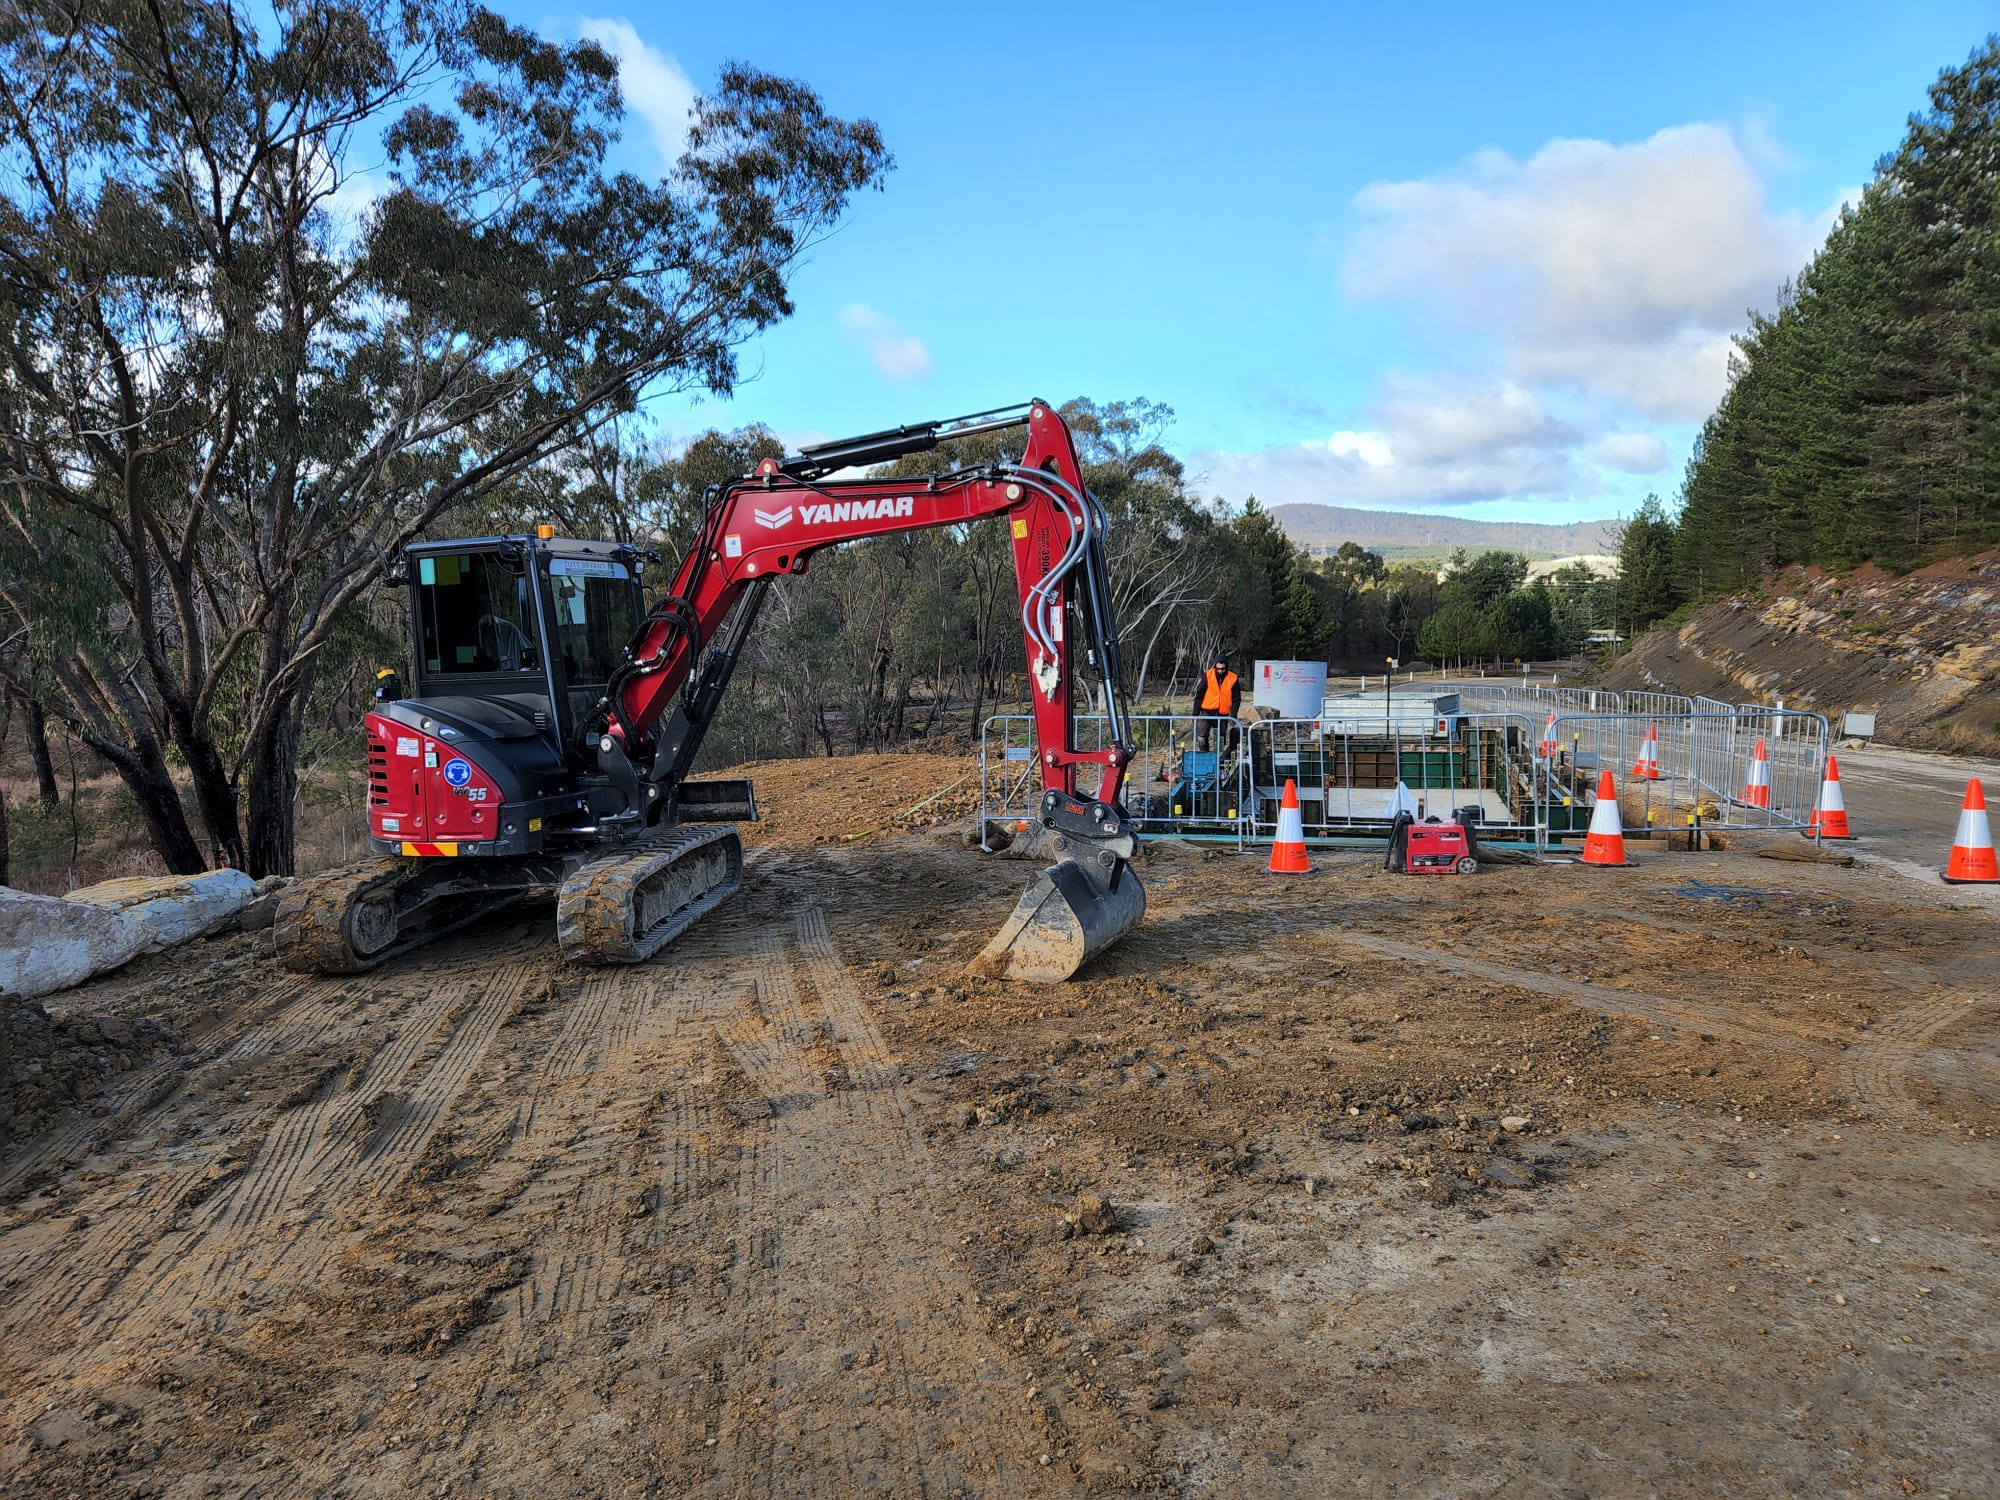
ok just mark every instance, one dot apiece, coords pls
pixel 224 394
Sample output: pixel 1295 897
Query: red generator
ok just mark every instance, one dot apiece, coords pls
pixel 1433 847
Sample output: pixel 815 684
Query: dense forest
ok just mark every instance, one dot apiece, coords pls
pixel 1862 420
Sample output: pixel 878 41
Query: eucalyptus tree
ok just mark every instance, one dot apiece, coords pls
pixel 230 383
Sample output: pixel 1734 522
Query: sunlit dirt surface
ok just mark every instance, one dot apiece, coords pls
pixel 797 1209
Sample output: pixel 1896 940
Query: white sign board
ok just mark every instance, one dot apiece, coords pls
pixel 1294 688
pixel 1858 726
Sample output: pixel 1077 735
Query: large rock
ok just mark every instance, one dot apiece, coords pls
pixel 49 944
pixel 173 908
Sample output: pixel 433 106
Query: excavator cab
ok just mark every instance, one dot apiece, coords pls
pixel 535 624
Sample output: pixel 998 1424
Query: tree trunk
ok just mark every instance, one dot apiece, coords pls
pixel 4 878
pixel 45 766
pixel 270 834
pixel 143 768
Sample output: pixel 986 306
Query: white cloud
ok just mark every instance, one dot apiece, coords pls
pixel 898 355
pixel 653 84
pixel 1629 452
pixel 1617 271
pixel 1429 443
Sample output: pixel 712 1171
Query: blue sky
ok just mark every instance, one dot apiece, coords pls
pixel 1466 258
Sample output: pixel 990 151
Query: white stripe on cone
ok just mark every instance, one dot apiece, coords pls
pixel 1974 831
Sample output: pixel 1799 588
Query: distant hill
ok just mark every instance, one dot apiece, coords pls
pixel 1403 536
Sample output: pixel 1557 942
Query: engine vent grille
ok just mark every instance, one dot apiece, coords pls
pixel 378 773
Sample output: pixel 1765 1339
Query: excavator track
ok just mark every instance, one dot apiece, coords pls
pixel 351 920
pixel 625 908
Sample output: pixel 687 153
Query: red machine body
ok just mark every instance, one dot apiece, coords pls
pixel 558 713
pixel 426 796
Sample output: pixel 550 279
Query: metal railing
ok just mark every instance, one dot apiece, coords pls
pixel 1171 783
pixel 1496 757
pixel 1348 783
pixel 1706 768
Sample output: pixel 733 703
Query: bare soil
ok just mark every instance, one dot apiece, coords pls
pixel 1919 650
pixel 1544 1181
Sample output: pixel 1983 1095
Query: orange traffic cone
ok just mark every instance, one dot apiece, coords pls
pixel 1605 843
pixel 1549 738
pixel 1647 766
pixel 1972 850
pixel 1757 790
pixel 1288 851
pixel 1830 817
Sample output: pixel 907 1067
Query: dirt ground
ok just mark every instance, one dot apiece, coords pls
pixel 1674 1180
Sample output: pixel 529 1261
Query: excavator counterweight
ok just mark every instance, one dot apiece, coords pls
pixel 546 748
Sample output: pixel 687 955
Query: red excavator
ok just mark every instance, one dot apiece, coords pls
pixel 553 717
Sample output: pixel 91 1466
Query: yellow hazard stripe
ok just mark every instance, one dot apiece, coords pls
pixel 414 850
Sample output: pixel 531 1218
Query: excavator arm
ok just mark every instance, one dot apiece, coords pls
pixel 772 523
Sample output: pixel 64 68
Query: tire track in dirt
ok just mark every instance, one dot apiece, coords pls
pixel 1609 1000
pixel 146 1088
pixel 67 1276
pixel 273 1226
pixel 585 1175
pixel 1878 1065
pixel 870 1373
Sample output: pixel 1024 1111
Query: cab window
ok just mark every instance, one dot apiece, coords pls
pixel 476 615
pixel 593 616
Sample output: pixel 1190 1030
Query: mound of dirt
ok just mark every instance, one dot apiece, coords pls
pixel 853 798
pixel 50 1064
pixel 1921 651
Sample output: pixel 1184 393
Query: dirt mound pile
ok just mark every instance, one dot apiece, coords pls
pixel 49 1063
pixel 1920 651
pixel 854 797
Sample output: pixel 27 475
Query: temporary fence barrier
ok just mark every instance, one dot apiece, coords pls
pixel 1704 762
pixel 1347 780
pixel 1172 781
pixel 1489 756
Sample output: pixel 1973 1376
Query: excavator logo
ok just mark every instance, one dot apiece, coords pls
pixel 773 519
pixel 887 508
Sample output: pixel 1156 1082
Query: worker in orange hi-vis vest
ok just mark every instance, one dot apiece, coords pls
pixel 1217 694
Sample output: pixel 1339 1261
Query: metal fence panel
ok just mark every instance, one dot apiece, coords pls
pixel 1495 754
pixel 1347 781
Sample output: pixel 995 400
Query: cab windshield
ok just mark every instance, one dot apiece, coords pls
pixel 593 618
pixel 476 615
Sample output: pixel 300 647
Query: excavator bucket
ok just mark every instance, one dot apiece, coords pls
pixel 1067 916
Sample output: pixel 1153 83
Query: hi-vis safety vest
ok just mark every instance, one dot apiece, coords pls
pixel 1217 697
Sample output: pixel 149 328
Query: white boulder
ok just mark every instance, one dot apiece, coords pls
pixel 173 908
pixel 49 944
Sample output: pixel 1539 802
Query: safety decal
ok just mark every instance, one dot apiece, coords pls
pixel 407 745
pixel 457 772
pixel 732 545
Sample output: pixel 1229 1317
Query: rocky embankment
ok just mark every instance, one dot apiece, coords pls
pixel 1921 651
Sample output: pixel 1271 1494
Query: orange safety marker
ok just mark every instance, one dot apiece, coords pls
pixel 1549 738
pixel 1288 851
pixel 1604 844
pixel 1830 817
pixel 1972 850
pixel 1647 766
pixel 1757 790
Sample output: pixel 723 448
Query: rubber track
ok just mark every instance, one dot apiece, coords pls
pixel 597 911
pixel 311 926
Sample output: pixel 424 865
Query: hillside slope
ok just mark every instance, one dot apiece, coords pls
pixel 1921 650
pixel 1401 534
